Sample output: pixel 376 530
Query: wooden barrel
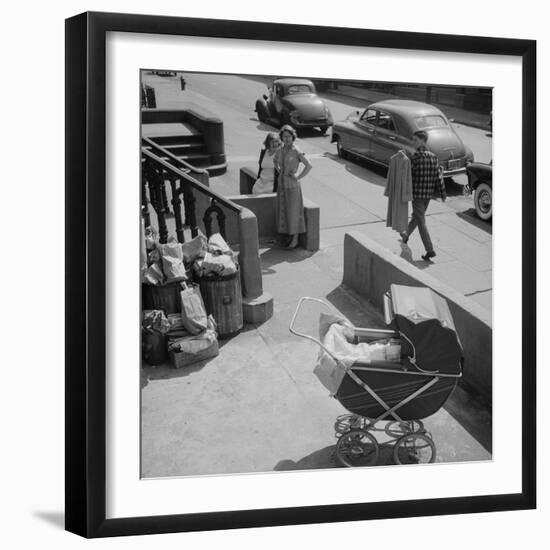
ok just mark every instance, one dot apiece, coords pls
pixel 165 297
pixel 223 300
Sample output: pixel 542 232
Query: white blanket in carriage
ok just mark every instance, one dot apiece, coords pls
pixel 335 334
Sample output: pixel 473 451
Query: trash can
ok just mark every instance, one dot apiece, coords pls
pixel 165 297
pixel 154 348
pixel 223 300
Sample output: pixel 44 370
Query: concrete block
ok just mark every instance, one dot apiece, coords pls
pixel 311 238
pixel 370 269
pixel 258 310
pixel 263 206
pixel 247 179
pixel 249 257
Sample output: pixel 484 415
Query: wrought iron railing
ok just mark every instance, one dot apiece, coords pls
pixel 189 199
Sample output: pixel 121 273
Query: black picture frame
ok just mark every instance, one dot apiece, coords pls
pixel 86 284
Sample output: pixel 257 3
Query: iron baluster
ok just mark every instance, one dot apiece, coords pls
pixel 164 196
pixel 158 182
pixel 189 203
pixel 176 204
pixel 144 203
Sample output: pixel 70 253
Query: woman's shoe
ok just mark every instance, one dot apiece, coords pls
pixel 428 256
pixel 293 244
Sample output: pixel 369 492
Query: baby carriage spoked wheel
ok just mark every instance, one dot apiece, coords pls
pixel 357 448
pixel 415 448
pixel 399 428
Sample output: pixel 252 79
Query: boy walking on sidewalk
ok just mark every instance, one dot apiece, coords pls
pixel 426 176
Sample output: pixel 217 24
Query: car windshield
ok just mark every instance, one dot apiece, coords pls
pixel 298 89
pixel 430 121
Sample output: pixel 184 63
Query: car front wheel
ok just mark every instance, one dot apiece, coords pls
pixel 342 153
pixel 261 110
pixel 483 201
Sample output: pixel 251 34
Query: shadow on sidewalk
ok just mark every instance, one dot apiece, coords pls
pixel 471 217
pixel 326 458
pixel 278 254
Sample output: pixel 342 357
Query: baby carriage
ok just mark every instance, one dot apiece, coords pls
pixel 398 376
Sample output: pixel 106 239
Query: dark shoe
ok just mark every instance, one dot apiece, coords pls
pixel 428 256
pixel 404 238
pixel 291 245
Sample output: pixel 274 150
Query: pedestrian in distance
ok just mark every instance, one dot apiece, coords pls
pixel 267 176
pixel 290 203
pixel 427 176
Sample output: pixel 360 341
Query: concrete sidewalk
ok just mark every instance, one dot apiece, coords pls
pixel 463 243
pixel 258 406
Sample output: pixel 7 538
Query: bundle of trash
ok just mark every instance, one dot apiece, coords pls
pixel 187 338
pixel 173 262
pixel 218 260
pixel 178 322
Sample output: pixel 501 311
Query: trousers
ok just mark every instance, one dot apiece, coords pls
pixel 418 219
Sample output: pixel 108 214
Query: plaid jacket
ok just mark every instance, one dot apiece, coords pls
pixel 426 174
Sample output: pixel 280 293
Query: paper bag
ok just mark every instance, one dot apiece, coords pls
pixel 194 249
pixel 172 262
pixel 193 312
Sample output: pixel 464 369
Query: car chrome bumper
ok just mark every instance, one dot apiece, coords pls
pixel 455 172
pixel 310 123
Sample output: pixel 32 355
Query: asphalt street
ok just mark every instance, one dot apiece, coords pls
pixel 232 98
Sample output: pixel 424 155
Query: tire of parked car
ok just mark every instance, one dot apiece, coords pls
pixel 483 201
pixel 342 153
pixel 262 110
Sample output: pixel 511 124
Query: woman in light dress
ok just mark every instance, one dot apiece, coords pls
pixel 266 170
pixel 290 204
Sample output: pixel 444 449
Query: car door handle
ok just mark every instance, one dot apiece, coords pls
pixel 393 138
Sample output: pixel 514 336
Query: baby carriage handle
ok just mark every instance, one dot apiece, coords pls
pixel 308 336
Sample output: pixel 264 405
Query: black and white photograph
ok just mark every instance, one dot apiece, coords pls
pixel 316 273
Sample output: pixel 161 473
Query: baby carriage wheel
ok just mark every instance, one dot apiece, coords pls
pixel 357 448
pixel 416 448
pixel 399 428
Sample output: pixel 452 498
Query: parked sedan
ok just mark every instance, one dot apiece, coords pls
pixel 294 101
pixel 385 127
pixel 480 181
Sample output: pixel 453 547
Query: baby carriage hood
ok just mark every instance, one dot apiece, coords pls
pixel 424 319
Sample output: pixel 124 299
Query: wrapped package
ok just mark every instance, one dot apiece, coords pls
pixel 217 245
pixel 153 275
pixel 217 265
pixel 155 320
pixel 193 312
pixel 172 262
pixel 177 330
pixel 194 249
pixel 191 349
